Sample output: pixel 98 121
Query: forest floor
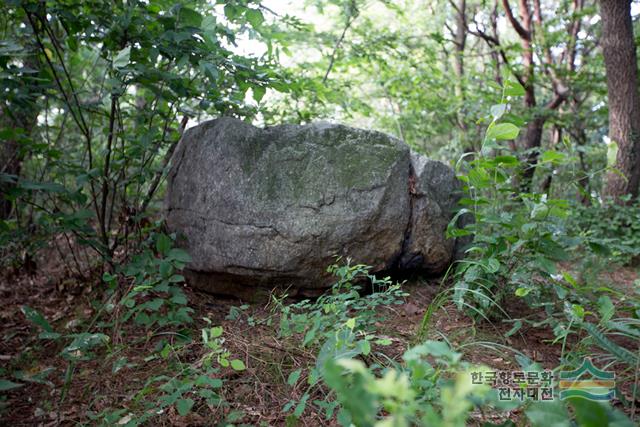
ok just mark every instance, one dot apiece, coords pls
pixel 258 394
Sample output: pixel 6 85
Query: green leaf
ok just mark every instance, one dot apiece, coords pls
pixel 154 304
pixel 119 364
pixel 545 264
pixel 437 349
pixel 309 336
pixel 163 243
pixel 551 156
pixel 294 376
pixel 365 347
pixel 122 58
pixel 301 405
pixel 184 406
pixel 578 310
pixel 548 414
pixel 72 42
pixel 589 414
pixel 569 278
pixel 517 325
pixel 492 265
pixel 605 343
pixel 513 88
pixel 522 292
pixel 338 346
pixel 9 385
pixel 205 380
pixel 166 351
pixel 258 93
pixel 165 269
pixel 209 70
pixel 626 329
pixel 49 335
pixel 232 11
pixel 605 308
pixel 36 318
pixel 190 17
pixel 351 323
pixel 479 177
pixel 255 17
pixel 180 255
pixel 506 160
pixel 238 365
pixel 215 332
pixel 108 277
pixel 179 298
pixel 176 278
pixel 43 186
pixel 503 131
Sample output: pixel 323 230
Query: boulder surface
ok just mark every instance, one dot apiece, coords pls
pixel 262 207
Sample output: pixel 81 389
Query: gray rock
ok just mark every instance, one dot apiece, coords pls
pixel 435 192
pixel 262 207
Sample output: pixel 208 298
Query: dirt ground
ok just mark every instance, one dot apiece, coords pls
pixel 259 393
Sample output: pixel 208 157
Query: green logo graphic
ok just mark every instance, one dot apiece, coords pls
pixel 588 382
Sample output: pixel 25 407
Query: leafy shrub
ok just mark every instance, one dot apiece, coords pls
pixel 153 293
pixel 197 381
pixel 414 393
pixel 441 393
pixel 518 236
pixel 610 230
pixel 339 324
pixel 344 303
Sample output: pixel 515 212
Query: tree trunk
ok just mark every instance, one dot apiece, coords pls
pixel 624 101
pixel 11 156
pixel 495 55
pixel 12 116
pixel 460 42
pixel 10 163
pixel 532 142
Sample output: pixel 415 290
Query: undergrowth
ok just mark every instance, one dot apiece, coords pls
pixel 522 244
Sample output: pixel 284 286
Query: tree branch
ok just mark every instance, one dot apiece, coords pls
pixel 522 32
pixel 160 172
pixel 455 6
pixel 557 101
pixel 336 47
pixel 493 42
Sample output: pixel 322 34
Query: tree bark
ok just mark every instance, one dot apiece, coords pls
pixel 495 56
pixel 10 163
pixel 620 61
pixel 535 127
pixel 460 41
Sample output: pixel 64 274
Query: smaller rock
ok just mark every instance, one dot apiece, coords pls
pixel 435 192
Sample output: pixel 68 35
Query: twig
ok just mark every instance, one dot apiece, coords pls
pixel 160 172
pixel 350 20
pixel 522 32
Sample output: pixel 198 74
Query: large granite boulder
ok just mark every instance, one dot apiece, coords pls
pixel 263 207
